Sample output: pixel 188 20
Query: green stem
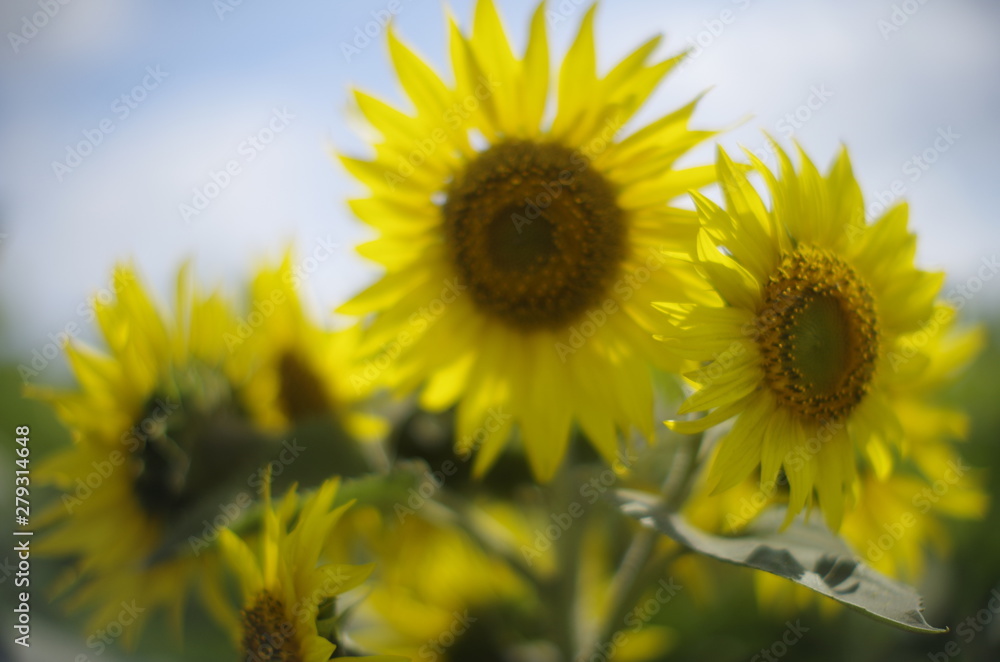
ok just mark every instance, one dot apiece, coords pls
pixel 566 582
pixel 637 566
pixel 461 513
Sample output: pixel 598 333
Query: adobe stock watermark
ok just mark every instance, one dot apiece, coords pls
pixel 914 168
pixel 764 322
pixel 86 310
pixel 418 323
pixel 452 120
pixel 121 108
pixel 233 509
pixel 957 297
pixel 597 317
pixel 899 16
pixel 819 96
pixel 713 29
pixel 952 474
pixel 100 640
pixel 635 620
pixel 750 506
pixel 580 160
pixel 791 636
pixel 968 629
pixel 263 308
pixel 131 440
pixel 561 522
pixel 270 644
pixel 960 295
pixel 225 7
pixel 32 24
pixel 365 35
pixel 794 120
pixel 433 481
pixel 436 648
pixel 559 12
pixel 247 152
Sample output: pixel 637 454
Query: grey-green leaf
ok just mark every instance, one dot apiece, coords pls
pixel 806 553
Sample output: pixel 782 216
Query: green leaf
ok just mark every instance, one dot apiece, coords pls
pixel 806 553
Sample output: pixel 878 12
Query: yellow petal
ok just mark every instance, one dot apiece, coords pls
pixel 577 80
pixel 422 85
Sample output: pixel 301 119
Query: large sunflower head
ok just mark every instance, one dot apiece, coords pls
pixel 814 304
pixel 289 587
pixel 522 253
pixel 301 371
pixel 156 422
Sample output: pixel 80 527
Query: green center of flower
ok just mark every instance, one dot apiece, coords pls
pixel 190 436
pixel 818 335
pixel 535 233
pixel 268 634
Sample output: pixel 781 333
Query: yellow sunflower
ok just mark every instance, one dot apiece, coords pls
pixel 522 253
pixel 433 585
pixel 301 371
pixel 814 308
pixel 928 360
pixel 288 590
pixel 155 423
pixel 900 515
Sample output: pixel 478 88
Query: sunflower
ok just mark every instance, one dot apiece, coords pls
pixel 301 370
pixel 156 423
pixel 806 344
pixel 522 253
pixel 288 591
pixel 434 587
pixel 900 514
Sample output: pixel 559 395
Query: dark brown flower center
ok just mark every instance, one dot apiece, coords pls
pixel 268 634
pixel 818 335
pixel 536 233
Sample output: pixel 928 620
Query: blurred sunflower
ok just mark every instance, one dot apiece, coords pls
pixel 522 253
pixel 302 371
pixel 900 515
pixel 289 593
pixel 436 592
pixel 804 345
pixel 157 424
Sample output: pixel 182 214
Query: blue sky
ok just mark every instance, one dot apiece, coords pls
pixel 892 80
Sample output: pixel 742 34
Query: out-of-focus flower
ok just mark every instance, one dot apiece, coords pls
pixel 156 423
pixel 432 589
pixel 898 514
pixel 288 587
pixel 301 371
pixel 522 256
